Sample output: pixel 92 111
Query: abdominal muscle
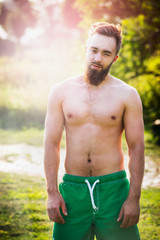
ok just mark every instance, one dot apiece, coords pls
pixel 93 153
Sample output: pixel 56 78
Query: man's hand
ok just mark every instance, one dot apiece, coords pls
pixel 53 208
pixel 130 212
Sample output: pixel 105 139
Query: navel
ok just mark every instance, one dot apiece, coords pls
pixel 113 117
pixel 89 160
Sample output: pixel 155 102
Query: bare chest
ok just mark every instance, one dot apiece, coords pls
pixel 99 108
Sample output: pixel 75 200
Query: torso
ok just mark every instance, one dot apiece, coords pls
pixel 93 120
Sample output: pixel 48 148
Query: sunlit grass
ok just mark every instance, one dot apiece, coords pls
pixel 23 97
pixel 34 136
pixel 25 83
pixel 152 150
pixel 31 136
pixel 23 209
pixel 149 224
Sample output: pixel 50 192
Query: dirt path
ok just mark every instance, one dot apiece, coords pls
pixel 26 159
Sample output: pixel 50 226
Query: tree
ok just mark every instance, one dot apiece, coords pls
pixel 16 16
pixel 147 13
pixel 71 14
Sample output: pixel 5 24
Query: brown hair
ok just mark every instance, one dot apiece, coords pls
pixel 109 30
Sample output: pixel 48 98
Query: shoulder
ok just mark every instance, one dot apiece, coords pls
pixel 132 97
pixel 129 92
pixel 128 95
pixel 58 91
pixel 120 84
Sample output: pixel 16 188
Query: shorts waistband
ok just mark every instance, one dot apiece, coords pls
pixel 103 178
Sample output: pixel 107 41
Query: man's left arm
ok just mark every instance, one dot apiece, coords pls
pixel 134 133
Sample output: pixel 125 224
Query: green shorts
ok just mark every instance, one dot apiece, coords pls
pixel 93 205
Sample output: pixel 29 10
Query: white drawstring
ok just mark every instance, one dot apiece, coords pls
pixel 91 192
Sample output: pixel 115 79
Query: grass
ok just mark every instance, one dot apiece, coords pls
pixel 150 215
pixel 23 210
pixel 34 136
pixel 151 149
pixel 31 136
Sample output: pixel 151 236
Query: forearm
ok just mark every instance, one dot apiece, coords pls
pixel 130 210
pixel 136 168
pixel 51 165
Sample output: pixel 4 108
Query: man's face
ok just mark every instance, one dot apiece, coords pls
pixel 101 53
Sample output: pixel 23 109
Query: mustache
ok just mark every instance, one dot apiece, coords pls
pixel 97 64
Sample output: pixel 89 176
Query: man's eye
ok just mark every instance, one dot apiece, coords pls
pixel 94 51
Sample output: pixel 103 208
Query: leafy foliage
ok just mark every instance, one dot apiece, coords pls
pixel 138 62
pixel 15 17
pixel 71 15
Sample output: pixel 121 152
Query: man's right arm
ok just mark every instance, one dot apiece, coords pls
pixel 52 138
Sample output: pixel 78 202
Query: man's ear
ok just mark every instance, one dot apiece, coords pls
pixel 115 59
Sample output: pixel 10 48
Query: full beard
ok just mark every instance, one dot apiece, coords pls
pixel 94 77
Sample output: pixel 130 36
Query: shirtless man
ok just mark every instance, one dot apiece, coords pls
pixel 95 197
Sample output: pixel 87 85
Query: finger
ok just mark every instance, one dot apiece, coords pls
pixel 58 217
pixel 54 215
pixel 125 222
pixel 120 215
pixel 132 221
pixel 64 209
pixel 51 214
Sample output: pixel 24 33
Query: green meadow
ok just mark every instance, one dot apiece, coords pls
pixel 23 209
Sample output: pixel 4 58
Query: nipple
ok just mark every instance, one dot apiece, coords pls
pixel 69 115
pixel 113 117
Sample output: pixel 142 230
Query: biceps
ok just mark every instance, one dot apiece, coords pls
pixel 134 128
pixel 53 128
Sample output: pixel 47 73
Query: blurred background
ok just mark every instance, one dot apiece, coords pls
pixel 42 42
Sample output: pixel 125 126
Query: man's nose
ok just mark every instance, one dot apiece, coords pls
pixel 98 57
